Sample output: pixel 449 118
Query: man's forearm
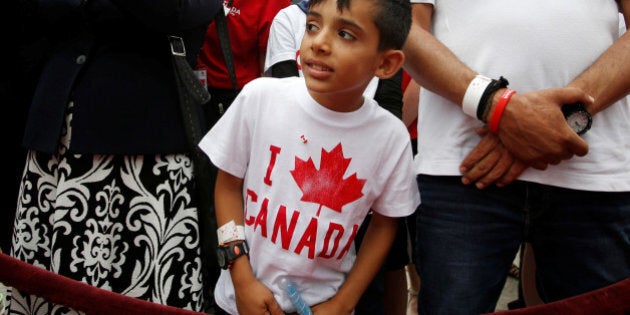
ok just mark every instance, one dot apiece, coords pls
pixel 607 80
pixel 431 63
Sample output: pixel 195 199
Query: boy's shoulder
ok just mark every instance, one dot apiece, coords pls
pixel 272 84
pixel 271 81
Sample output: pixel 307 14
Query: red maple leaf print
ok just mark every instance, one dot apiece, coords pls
pixel 326 186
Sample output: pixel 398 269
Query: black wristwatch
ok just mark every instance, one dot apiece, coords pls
pixel 578 118
pixel 226 254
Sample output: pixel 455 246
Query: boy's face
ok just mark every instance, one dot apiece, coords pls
pixel 339 51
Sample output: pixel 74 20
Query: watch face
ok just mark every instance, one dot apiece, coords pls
pixel 578 118
pixel 579 121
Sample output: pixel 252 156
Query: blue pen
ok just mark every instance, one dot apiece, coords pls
pixel 294 295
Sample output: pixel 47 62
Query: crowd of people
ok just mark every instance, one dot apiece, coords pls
pixel 350 138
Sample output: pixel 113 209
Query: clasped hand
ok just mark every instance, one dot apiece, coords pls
pixel 532 133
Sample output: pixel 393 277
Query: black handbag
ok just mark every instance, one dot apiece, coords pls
pixel 192 97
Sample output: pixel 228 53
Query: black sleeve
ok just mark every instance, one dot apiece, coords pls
pixel 283 69
pixel 168 16
pixel 389 94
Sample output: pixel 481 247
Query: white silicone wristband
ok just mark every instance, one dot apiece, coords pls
pixel 473 94
pixel 230 232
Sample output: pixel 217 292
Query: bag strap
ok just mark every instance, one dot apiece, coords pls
pixel 191 95
pixel 224 40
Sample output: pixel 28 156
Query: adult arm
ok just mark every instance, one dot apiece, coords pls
pixel 282 45
pixel 252 296
pixel 624 5
pixel 533 128
pixel 389 94
pixel 411 101
pixel 489 161
pixel 283 69
pixel 431 64
pixel 372 253
pixel 607 79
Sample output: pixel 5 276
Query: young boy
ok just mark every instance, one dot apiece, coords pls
pixel 302 161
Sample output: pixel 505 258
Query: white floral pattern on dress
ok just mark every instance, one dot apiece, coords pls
pixel 127 224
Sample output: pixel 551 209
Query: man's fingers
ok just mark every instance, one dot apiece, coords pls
pixel 515 170
pixel 572 95
pixel 485 147
pixel 578 146
pixel 497 171
pixel 481 168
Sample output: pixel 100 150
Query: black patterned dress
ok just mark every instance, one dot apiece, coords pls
pixel 124 223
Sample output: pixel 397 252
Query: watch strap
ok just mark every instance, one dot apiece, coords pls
pixel 233 251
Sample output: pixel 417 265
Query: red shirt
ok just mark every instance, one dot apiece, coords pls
pixel 248 23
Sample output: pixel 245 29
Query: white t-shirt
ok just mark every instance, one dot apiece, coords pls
pixel 285 38
pixel 535 44
pixel 310 177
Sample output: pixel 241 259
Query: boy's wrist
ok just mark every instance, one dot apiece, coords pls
pixel 241 271
pixel 344 304
pixel 230 252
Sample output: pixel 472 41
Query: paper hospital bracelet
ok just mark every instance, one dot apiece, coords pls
pixel 230 232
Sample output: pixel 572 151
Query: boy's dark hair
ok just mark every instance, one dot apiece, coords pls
pixel 392 19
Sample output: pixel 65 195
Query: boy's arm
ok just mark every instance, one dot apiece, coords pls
pixel 374 249
pixel 252 296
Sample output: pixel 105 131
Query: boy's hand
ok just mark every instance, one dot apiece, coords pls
pixel 330 307
pixel 256 299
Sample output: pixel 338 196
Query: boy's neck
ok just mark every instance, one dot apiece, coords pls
pixel 339 102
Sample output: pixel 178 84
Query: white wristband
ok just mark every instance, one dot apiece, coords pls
pixel 473 94
pixel 230 232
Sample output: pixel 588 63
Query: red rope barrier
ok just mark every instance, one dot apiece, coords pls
pixel 75 294
pixel 611 300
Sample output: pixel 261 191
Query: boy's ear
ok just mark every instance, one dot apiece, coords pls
pixel 393 60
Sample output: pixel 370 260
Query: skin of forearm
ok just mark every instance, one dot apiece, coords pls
pixel 411 98
pixel 607 80
pixel 372 253
pixel 432 64
pixel 229 206
pixel 228 199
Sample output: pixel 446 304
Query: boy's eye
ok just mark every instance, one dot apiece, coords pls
pixel 311 27
pixel 346 35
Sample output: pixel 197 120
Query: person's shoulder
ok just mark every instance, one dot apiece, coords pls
pixel 293 10
pixel 380 110
pixel 273 81
pixel 269 84
pixel 288 14
pixel 386 116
